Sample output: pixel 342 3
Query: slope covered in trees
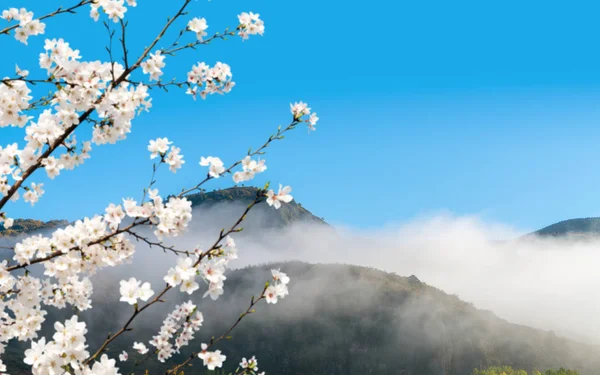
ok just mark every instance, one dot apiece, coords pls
pixel 342 319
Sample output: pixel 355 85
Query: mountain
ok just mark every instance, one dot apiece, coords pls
pixel 288 213
pixel 579 227
pixel 344 319
pixel 285 215
pixel 340 319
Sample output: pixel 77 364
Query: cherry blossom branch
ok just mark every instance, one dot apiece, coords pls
pixel 215 246
pixel 277 136
pixel 89 111
pixel 158 244
pixel 41 102
pixel 225 335
pixel 77 248
pixel 184 192
pixel 60 10
pixel 162 85
pixel 172 49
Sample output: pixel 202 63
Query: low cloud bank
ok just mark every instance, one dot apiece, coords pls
pixel 546 283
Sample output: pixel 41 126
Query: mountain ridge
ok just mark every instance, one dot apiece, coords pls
pixel 286 214
pixel 589 226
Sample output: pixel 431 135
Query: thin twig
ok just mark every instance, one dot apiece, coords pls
pixel 277 136
pixel 158 244
pixel 78 248
pixel 124 44
pixel 214 341
pixel 56 12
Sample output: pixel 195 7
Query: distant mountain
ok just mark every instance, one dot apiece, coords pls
pixel 580 227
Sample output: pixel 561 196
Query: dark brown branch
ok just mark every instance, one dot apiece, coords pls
pixel 136 312
pixel 78 248
pixel 158 244
pixel 52 147
pixel 124 44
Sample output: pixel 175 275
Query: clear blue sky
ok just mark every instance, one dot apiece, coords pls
pixel 474 107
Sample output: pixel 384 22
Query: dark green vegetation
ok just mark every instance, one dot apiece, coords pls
pixel 586 226
pixel 342 319
pixel 507 370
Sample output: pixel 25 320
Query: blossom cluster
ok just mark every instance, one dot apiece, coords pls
pixel 153 65
pixel 211 359
pixel 27 25
pixel 205 80
pixel 250 365
pixel 198 26
pixel 282 196
pixel 87 85
pixel 278 288
pixel 131 290
pixel 173 158
pixel 212 271
pixel 215 165
pixel 27 317
pixel 66 350
pixel 250 24
pixel 14 98
pixel 179 327
pixel 140 347
pixel 114 9
pixel 71 253
pixel 251 168
pixel 170 218
pixel 301 109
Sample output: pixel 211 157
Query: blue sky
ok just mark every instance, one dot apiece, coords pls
pixel 486 108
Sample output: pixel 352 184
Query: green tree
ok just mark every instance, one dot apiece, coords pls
pixel 507 370
pixel 499 370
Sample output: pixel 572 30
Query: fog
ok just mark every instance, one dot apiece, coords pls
pixel 548 283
